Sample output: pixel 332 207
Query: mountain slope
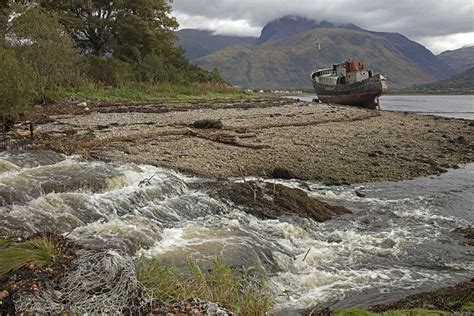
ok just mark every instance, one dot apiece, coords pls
pixel 460 83
pixel 459 59
pixel 197 43
pixel 418 55
pixel 284 55
pixel 287 63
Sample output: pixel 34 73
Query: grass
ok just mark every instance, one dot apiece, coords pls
pixel 13 256
pixel 407 312
pixel 402 312
pixel 159 92
pixel 238 291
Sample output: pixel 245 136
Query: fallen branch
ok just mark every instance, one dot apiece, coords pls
pixel 224 139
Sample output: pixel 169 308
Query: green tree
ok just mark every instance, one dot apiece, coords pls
pixel 4 14
pixel 129 30
pixel 16 87
pixel 39 40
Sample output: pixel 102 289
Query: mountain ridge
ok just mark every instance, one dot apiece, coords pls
pixel 459 59
pixel 284 55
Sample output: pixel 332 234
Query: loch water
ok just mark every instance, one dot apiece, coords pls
pixel 454 106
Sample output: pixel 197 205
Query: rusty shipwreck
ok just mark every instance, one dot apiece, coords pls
pixel 349 83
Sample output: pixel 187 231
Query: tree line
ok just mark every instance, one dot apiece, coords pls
pixel 50 45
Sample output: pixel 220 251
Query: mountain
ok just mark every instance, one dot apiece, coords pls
pixel 460 83
pixel 459 59
pixel 290 25
pixel 287 51
pixel 197 43
pixel 287 64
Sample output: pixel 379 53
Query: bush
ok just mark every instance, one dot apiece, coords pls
pixel 108 71
pixel 16 87
pixel 39 40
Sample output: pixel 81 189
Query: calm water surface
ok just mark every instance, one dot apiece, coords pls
pixel 456 106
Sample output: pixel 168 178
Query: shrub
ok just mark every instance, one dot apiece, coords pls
pixel 39 40
pixel 107 70
pixel 16 87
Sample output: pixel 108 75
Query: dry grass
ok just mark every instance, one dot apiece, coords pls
pixel 239 291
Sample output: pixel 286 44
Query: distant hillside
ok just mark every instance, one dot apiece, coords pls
pixel 459 59
pixel 460 83
pixel 197 43
pixel 288 63
pixel 418 55
pixel 286 52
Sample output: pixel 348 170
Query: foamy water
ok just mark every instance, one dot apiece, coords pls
pixel 399 238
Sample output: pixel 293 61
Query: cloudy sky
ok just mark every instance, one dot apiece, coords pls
pixel 438 24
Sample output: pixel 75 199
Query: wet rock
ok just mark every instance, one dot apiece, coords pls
pixel 217 124
pixel 467 233
pixel 388 243
pixel 360 194
pixel 271 201
pixel 282 173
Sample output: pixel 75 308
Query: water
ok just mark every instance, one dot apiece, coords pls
pixel 455 106
pixel 399 239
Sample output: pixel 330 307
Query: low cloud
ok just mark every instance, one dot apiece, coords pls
pixel 431 22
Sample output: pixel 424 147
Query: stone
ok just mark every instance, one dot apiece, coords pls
pixel 217 124
pixel 282 173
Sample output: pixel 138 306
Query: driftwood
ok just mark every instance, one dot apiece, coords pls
pixel 224 139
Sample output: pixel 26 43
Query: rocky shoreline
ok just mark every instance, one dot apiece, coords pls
pixel 333 144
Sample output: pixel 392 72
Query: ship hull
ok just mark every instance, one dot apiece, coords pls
pixel 362 93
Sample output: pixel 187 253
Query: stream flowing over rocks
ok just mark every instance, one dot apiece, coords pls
pixel 401 237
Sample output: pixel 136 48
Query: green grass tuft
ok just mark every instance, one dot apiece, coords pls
pixel 13 256
pixel 239 291
pixel 402 312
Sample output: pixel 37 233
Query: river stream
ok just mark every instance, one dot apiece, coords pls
pixel 400 238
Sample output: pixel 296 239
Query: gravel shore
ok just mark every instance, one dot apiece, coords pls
pixel 334 144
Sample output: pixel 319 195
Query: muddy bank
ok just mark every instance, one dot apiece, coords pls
pixel 333 144
pixel 452 299
pixel 457 299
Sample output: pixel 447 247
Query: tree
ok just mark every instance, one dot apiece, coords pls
pixel 4 14
pixel 39 40
pixel 16 88
pixel 128 29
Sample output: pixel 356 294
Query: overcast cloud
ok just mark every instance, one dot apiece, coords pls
pixel 438 24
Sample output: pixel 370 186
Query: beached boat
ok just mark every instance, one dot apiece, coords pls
pixel 349 83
